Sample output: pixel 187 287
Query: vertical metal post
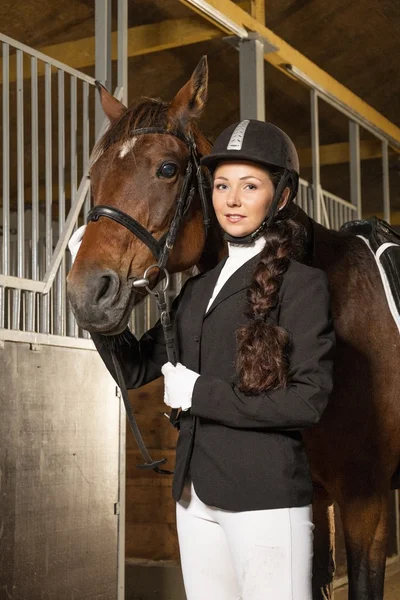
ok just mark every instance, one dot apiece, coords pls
pixel 16 302
pixel 385 179
pixel 123 49
pixel 59 316
pixel 6 176
pixel 251 69
pixel 103 54
pixel 355 170
pixel 45 320
pixel 31 299
pixel 72 327
pixel 315 155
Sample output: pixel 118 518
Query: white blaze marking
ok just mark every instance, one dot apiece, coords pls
pixel 127 147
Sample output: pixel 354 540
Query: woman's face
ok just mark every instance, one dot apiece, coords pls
pixel 242 195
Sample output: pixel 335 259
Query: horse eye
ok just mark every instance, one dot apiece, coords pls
pixel 167 170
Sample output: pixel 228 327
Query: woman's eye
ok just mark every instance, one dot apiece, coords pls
pixel 251 186
pixel 220 186
pixel 167 170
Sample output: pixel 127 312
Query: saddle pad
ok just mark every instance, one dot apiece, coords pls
pixel 387 258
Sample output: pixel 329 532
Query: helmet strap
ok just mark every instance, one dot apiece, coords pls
pixel 273 210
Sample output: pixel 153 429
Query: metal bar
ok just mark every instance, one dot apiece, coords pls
pixel 20 164
pixel 323 210
pixel 59 316
pixel 20 283
pixel 45 322
pixel 31 298
pixel 385 179
pixel 45 58
pixel 103 53
pixel 30 337
pixel 251 68
pixel 355 171
pixel 123 49
pixel 315 153
pixel 16 295
pixel 85 141
pixel 6 176
pixel 219 17
pixel 72 328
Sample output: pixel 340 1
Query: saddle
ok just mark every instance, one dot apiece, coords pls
pixel 384 243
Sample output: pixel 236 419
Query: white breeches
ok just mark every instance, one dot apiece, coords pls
pixel 249 555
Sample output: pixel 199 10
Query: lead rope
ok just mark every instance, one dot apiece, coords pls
pixel 183 205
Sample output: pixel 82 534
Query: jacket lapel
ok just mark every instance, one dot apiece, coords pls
pixel 238 281
pixel 203 291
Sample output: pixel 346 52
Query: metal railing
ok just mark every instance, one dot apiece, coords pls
pixel 47 135
pixel 334 211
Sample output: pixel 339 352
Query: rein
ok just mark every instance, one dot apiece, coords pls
pixel 160 249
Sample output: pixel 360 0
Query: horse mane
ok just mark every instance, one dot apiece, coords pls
pixel 144 113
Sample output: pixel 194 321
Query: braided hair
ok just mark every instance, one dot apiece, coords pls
pixel 262 361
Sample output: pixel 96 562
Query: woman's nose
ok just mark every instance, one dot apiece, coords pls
pixel 233 198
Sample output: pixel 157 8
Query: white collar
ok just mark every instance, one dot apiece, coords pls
pixel 243 252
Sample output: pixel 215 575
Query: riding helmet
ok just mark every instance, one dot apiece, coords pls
pixel 262 143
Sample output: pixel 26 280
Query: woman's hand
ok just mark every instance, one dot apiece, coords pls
pixel 75 241
pixel 179 383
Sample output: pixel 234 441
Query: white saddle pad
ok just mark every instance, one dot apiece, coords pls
pixel 388 292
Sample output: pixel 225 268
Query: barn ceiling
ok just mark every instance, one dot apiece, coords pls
pixel 355 42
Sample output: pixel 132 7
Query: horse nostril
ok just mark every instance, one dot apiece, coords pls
pixel 108 287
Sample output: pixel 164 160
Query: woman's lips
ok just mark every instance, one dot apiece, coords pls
pixel 232 218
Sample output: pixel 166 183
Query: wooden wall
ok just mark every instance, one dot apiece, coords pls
pixel 150 509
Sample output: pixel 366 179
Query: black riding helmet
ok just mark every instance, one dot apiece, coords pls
pixel 262 143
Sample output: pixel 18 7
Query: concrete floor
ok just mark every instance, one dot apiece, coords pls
pixel 165 583
pixel 392 584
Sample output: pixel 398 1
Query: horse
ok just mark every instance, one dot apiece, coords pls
pixel 354 450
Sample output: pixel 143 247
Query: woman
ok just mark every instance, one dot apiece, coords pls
pixel 255 339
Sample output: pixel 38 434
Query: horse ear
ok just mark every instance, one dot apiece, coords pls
pixel 112 107
pixel 191 98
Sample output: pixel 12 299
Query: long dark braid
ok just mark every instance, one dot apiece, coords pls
pixel 262 361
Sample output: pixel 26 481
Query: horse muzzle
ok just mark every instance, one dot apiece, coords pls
pixel 101 302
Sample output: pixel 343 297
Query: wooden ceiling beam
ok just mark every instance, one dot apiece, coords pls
pixel 143 39
pixel 335 154
pixel 287 55
pixel 257 10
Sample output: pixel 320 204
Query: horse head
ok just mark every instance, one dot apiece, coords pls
pixel 140 172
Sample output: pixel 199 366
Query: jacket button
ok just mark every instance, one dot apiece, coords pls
pixel 196 338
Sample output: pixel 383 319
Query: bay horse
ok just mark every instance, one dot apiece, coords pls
pixel 354 450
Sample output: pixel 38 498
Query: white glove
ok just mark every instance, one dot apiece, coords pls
pixel 75 241
pixel 178 385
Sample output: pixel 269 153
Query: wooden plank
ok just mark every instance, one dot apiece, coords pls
pixel 150 504
pixel 257 10
pixel 287 55
pixel 152 541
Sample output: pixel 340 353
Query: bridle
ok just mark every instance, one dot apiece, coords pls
pixel 193 174
pixel 194 177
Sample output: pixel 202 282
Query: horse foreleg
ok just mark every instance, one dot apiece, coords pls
pixel 365 526
pixel 324 544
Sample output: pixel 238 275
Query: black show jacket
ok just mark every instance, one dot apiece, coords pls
pixel 242 452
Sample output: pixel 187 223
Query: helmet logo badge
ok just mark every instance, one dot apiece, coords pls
pixel 237 137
